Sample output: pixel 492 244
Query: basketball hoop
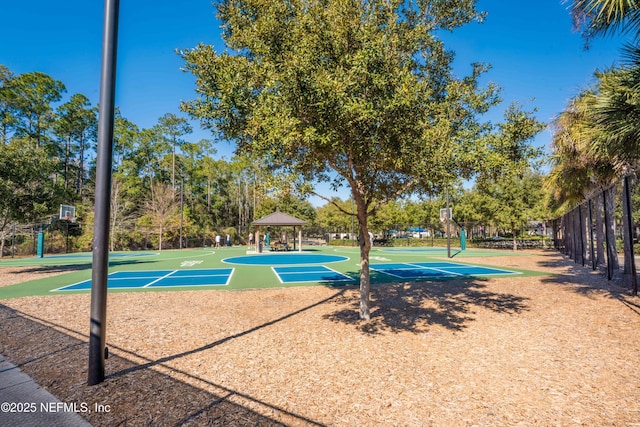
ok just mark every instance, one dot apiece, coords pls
pixel 67 213
pixel 445 214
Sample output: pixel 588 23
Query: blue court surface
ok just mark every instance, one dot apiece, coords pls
pixel 314 273
pixel 419 270
pixel 159 279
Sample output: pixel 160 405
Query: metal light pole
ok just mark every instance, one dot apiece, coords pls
pixel 448 227
pixel 181 206
pixel 97 338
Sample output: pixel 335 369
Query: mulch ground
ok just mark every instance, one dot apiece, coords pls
pixel 556 350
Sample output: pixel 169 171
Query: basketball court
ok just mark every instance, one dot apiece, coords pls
pixel 285 258
pixel 310 274
pixel 433 270
pixel 159 278
pixel 235 268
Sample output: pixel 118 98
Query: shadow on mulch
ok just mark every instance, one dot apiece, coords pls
pixel 134 394
pixel 72 267
pixel 52 268
pixel 583 279
pixel 586 281
pixel 416 306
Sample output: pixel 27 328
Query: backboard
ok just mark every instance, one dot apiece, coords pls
pixel 445 214
pixel 68 213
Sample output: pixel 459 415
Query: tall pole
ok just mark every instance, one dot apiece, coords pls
pixel 606 236
pixel 448 227
pixel 591 247
pixel 97 338
pixel 181 207
pixel 581 225
pixel 632 257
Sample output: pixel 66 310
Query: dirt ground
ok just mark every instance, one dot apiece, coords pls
pixel 556 350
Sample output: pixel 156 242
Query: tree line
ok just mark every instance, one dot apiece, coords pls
pixel 170 192
pixel 350 93
pixel 164 184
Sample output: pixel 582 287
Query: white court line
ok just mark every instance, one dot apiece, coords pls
pixel 160 278
pixel 435 269
pixel 326 270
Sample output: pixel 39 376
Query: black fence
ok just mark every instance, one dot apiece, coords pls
pixel 602 232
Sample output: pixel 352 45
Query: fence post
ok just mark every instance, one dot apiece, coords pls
pixel 591 247
pixel 606 234
pixel 629 235
pixel 581 225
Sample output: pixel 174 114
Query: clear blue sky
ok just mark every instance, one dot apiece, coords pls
pixel 536 57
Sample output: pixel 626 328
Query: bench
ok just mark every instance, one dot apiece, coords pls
pixel 279 246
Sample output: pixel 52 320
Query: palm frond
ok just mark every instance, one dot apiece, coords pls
pixel 606 17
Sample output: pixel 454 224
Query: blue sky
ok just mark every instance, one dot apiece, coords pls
pixel 536 57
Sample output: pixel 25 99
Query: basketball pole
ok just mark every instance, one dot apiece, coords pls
pixel 448 227
pixel 100 266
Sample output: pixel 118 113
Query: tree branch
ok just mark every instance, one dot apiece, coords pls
pixel 333 202
pixel 394 196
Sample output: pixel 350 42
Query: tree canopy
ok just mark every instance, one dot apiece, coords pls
pixel 357 93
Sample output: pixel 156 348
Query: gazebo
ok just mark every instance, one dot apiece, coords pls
pixel 279 219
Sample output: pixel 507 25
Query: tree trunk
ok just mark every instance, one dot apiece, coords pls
pixel 514 230
pixel 67 150
pixel 173 166
pixel 600 252
pixel 627 227
pixel 208 195
pixel 611 235
pixel 365 248
pixel 81 168
pixel 2 237
pixel 584 234
pixel 365 276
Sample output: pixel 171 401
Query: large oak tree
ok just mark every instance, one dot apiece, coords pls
pixel 356 93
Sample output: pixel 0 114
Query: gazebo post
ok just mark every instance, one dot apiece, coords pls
pixel 299 238
pixel 258 245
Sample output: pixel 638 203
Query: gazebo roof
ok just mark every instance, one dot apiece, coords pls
pixel 279 218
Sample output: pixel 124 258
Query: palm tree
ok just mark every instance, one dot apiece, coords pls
pixel 604 17
pixel 579 170
pixel 616 108
pixel 616 111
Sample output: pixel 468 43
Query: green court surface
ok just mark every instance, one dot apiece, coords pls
pixel 236 268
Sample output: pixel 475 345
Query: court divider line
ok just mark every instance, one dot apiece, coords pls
pixel 229 278
pixel 435 269
pixel 277 275
pixel 159 278
pixel 326 269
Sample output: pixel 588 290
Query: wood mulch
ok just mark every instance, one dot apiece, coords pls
pixel 554 350
pixel 13 275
